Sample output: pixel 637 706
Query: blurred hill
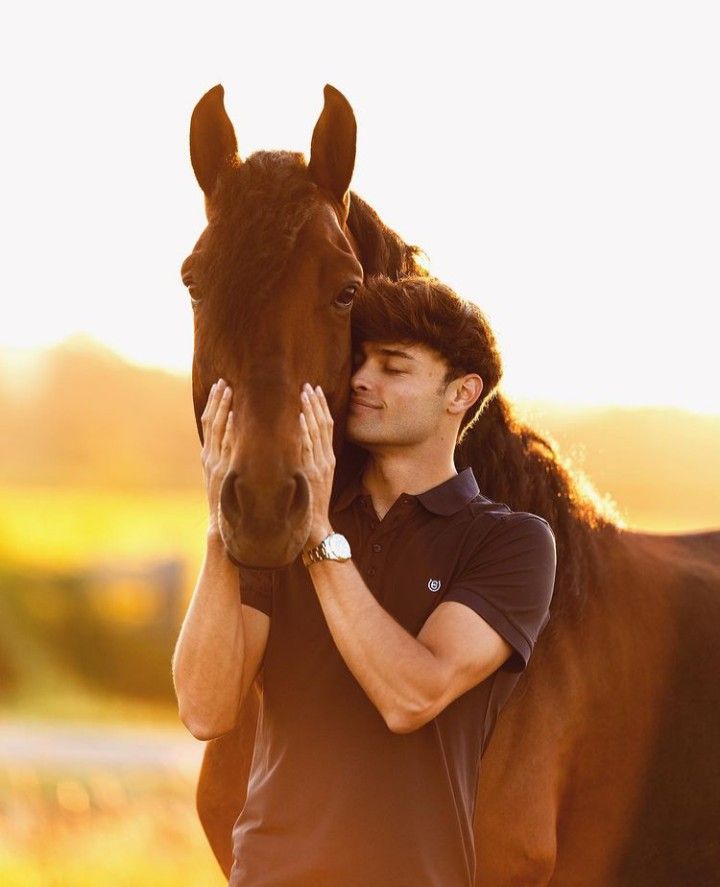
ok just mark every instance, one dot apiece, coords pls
pixel 88 418
pixel 84 417
pixel 661 466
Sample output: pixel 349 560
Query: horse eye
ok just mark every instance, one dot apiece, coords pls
pixel 344 299
pixel 194 293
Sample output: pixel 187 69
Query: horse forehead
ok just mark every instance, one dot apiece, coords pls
pixel 323 227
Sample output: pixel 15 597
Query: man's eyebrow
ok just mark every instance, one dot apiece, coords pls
pixel 389 352
pixel 394 352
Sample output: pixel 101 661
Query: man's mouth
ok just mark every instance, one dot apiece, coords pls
pixel 356 402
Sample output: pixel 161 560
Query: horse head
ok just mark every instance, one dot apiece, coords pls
pixel 271 279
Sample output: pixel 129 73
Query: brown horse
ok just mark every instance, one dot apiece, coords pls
pixel 604 767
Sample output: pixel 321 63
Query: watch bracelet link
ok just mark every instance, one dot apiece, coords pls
pixel 314 555
pixel 323 552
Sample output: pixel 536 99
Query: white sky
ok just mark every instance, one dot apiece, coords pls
pixel 559 162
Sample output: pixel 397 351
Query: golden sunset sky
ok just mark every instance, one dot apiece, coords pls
pixel 558 161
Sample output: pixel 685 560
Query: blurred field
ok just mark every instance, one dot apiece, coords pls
pixel 55 527
pixel 102 529
pixel 68 826
pixel 82 828
pixel 64 825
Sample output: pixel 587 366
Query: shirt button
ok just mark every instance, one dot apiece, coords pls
pixel 373 525
pixel 371 571
pixel 377 546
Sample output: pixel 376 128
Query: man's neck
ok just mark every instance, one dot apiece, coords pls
pixel 387 475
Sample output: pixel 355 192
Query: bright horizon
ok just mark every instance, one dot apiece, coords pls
pixel 24 366
pixel 558 163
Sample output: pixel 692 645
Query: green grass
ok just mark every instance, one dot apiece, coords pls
pixel 61 528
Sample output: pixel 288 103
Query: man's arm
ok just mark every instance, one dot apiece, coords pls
pixel 221 643
pixel 219 649
pixel 409 680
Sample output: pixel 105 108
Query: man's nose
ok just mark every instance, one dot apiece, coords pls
pixel 356 379
pixel 358 382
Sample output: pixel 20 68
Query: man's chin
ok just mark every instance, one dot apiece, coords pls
pixel 360 439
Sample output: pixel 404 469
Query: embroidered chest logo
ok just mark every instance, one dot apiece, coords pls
pixel 434 584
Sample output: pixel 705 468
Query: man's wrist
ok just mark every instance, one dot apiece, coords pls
pixel 317 536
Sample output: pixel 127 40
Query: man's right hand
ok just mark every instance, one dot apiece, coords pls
pixel 217 425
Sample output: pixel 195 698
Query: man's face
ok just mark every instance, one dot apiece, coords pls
pixel 398 396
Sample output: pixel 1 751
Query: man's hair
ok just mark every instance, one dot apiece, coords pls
pixel 422 310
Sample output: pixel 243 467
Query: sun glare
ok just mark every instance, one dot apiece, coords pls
pixel 573 200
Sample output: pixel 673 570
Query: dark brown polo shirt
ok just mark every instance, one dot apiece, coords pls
pixel 335 798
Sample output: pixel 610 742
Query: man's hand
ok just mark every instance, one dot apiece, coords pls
pixel 217 442
pixel 318 458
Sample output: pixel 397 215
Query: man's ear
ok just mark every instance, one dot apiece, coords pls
pixel 465 392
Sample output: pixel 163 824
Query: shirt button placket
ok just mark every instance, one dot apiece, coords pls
pixel 374 523
pixel 377 549
pixel 376 557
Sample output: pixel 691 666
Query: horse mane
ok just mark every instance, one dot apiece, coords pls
pixel 382 251
pixel 516 464
pixel 512 462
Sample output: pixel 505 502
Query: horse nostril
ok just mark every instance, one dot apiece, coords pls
pixel 231 496
pixel 301 496
pixel 238 501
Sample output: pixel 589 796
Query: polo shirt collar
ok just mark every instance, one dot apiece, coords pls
pixel 445 499
pixel 452 494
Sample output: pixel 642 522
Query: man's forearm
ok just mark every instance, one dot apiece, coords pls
pixel 208 659
pixel 400 675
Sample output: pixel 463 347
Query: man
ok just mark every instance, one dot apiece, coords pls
pixel 388 650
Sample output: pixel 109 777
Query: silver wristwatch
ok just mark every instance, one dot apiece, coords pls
pixel 334 547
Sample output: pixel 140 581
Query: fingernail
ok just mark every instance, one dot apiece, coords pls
pixel 304 396
pixel 226 392
pixel 318 390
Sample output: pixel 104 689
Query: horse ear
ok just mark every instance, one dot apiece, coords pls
pixel 332 151
pixel 212 138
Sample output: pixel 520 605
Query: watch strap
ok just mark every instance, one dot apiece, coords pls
pixel 320 552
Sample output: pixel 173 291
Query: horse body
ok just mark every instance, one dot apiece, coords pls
pixel 603 766
pixel 603 769
pixel 675 838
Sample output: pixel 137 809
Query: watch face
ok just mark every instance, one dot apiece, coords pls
pixel 339 545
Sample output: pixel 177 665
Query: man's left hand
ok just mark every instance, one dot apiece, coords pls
pixel 318 458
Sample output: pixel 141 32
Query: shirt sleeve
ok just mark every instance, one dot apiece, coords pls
pixel 509 580
pixel 256 588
